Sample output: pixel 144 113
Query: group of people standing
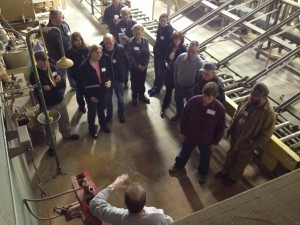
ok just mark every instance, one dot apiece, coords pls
pixel 102 69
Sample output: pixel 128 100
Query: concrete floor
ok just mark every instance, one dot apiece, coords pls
pixel 144 147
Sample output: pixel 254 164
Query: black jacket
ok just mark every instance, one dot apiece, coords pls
pixel 118 62
pixel 109 14
pixel 128 28
pixel 199 84
pixel 77 56
pixel 52 40
pixel 88 82
pixel 163 38
pixel 180 50
pixel 53 96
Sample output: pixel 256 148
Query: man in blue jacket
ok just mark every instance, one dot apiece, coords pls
pixel 119 65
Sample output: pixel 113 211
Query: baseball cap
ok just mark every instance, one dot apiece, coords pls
pixel 208 67
pixel 260 89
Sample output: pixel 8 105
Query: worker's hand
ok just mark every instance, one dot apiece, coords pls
pixel 213 147
pixel 57 79
pixel 182 138
pixel 46 87
pixel 119 181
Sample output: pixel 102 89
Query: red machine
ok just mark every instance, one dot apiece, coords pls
pixel 85 195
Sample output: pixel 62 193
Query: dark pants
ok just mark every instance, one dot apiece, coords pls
pixel 96 108
pixel 186 150
pixel 169 82
pixel 137 79
pixel 159 66
pixel 182 93
pixel 79 98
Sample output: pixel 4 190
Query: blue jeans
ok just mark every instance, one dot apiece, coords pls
pixel 118 87
pixel 204 159
pixel 95 108
pixel 182 93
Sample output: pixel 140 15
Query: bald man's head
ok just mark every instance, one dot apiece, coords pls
pixel 135 198
pixel 109 42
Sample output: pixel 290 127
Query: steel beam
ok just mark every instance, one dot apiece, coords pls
pixel 207 15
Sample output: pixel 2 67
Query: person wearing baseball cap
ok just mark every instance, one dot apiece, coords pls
pixel 208 74
pixel 252 126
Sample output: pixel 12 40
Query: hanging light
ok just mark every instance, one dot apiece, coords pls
pixel 64 63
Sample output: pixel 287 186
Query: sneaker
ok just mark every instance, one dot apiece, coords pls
pixel 221 175
pixel 134 101
pixel 93 135
pixel 153 93
pixel 51 152
pixel 202 179
pixel 122 118
pixel 227 181
pixel 175 118
pixel 82 110
pixel 108 118
pixel 144 99
pixel 71 137
pixel 105 129
pixel 174 169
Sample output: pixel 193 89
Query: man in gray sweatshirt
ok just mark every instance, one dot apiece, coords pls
pixel 185 68
pixel 135 199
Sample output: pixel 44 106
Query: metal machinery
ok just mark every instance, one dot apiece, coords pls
pixel 251 31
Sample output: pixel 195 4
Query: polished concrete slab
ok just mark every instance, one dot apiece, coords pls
pixel 144 146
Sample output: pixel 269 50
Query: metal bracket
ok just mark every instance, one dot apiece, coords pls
pixel 24 140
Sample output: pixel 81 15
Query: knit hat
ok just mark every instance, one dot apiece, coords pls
pixel 260 89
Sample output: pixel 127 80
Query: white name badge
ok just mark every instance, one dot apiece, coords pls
pixel 245 113
pixel 114 61
pixel 162 38
pixel 103 69
pixel 54 74
pixel 211 112
pixel 136 48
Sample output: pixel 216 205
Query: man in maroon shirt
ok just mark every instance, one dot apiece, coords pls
pixel 202 123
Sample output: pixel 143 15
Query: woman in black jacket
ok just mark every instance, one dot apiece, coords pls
pixel 77 53
pixel 94 84
pixel 174 50
pixel 163 39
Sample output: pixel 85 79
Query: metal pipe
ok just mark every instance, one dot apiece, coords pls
pixel 227 81
pixel 260 38
pixel 281 125
pixel 233 24
pixel 287 103
pixel 289 137
pixel 239 99
pixel 234 90
pixel 207 15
